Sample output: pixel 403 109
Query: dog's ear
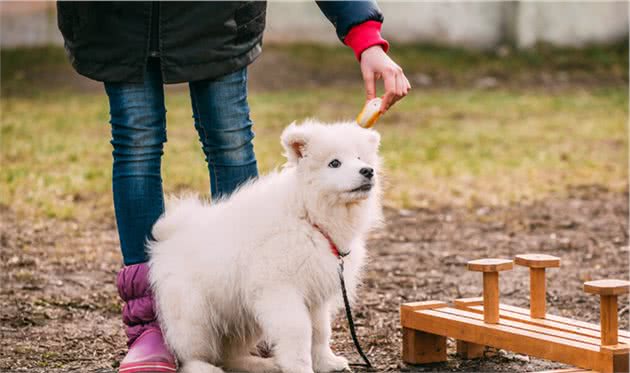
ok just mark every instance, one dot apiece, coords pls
pixel 294 140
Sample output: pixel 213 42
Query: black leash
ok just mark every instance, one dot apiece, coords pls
pixel 353 332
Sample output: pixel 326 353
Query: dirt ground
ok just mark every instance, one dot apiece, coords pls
pixel 59 310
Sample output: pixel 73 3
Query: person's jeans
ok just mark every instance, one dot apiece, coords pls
pixel 138 123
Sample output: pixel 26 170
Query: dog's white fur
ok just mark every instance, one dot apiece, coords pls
pixel 253 267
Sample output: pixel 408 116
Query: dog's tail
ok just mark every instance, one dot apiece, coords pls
pixel 178 209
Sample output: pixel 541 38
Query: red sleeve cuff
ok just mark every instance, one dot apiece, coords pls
pixel 365 35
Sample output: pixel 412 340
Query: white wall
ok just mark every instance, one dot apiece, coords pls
pixel 571 23
pixel 453 23
pixel 27 23
pixel 477 25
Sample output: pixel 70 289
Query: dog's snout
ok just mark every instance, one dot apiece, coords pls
pixel 368 172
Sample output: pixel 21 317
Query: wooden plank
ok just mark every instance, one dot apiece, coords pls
pixel 472 320
pixel 428 304
pixel 513 339
pixel 546 322
pixel 564 320
pixel 406 308
pixel 423 348
pixel 467 302
pixel 526 326
pixel 475 301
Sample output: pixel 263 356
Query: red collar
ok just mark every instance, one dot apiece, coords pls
pixel 333 247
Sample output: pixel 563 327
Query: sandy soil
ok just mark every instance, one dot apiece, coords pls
pixel 59 310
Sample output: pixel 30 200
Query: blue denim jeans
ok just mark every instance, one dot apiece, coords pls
pixel 138 124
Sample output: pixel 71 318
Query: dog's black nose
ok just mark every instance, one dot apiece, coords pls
pixel 368 172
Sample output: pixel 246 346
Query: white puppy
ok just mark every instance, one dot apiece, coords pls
pixel 258 266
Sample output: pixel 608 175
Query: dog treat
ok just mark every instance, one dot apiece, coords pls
pixel 370 113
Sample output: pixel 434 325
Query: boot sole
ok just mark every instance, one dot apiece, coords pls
pixel 147 367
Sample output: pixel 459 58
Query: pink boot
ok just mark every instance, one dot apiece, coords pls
pixel 147 350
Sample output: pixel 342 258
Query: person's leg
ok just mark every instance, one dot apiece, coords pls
pixel 222 120
pixel 138 121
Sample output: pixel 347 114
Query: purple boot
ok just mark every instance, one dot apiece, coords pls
pixel 147 350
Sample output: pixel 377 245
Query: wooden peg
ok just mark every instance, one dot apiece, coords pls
pixel 490 268
pixel 537 264
pixel 608 291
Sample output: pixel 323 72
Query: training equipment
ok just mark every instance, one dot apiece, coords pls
pixel 370 113
pixel 483 321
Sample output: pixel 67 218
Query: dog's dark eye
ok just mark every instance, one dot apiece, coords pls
pixel 334 163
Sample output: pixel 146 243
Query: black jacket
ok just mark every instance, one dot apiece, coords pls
pixel 112 41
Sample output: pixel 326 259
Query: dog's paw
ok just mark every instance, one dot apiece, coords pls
pixel 296 369
pixel 330 363
pixel 197 366
pixel 294 365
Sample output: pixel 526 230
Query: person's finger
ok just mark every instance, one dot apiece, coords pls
pixel 405 83
pixel 390 90
pixel 388 101
pixel 370 87
pixel 400 92
pixel 401 86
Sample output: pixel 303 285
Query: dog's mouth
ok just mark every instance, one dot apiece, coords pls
pixel 362 188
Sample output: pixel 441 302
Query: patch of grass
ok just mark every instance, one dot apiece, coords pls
pixel 15 60
pixel 22 67
pixel 460 146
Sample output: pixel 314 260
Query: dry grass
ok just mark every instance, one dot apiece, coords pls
pixel 464 147
pixel 458 144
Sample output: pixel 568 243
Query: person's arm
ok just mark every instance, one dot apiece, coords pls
pixel 358 25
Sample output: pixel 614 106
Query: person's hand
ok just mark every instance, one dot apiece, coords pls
pixel 376 64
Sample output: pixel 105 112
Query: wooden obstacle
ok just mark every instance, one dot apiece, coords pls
pixel 483 321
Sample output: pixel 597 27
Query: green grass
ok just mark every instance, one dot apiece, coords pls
pixel 450 144
pixel 460 146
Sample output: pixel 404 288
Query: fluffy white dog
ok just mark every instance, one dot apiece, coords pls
pixel 258 265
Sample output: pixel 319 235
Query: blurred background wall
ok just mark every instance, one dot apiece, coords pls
pixel 476 25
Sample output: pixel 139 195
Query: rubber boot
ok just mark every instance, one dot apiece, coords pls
pixel 147 350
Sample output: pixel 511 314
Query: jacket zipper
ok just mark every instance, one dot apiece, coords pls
pixel 154 50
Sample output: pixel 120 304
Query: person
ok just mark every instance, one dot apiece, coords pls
pixel 137 47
